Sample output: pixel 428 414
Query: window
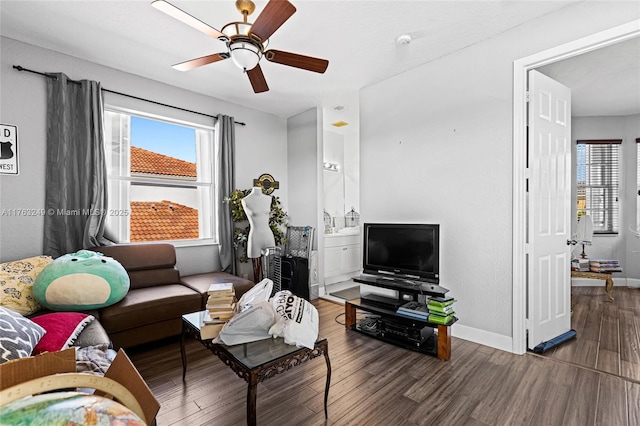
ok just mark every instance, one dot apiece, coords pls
pixel 159 174
pixel 597 179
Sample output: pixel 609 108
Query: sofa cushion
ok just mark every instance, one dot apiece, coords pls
pixel 16 283
pixel 62 330
pixel 135 257
pixel 18 335
pixel 201 283
pixel 147 264
pixel 150 305
pixel 154 277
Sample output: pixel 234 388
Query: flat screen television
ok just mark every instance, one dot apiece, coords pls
pixel 403 251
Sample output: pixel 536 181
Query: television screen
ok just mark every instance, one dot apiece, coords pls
pixel 402 250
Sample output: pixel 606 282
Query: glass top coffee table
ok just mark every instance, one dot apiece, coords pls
pixel 255 361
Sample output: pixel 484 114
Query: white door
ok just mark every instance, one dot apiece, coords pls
pixel 549 227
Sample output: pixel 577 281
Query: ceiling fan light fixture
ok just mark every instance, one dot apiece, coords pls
pixel 244 51
pixel 245 55
pixel 234 29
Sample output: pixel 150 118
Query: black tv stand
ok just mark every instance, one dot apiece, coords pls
pixel 397 329
pixel 390 327
pixel 407 289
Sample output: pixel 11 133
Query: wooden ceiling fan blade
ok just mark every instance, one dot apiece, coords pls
pixel 198 62
pixel 274 14
pixel 295 60
pixel 184 17
pixel 258 82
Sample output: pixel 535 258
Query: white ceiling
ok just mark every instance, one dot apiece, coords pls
pixel 357 37
pixel 602 82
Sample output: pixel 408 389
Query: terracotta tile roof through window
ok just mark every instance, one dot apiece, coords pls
pixel 148 162
pixel 162 220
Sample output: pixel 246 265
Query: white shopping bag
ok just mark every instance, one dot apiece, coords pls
pixel 258 293
pixel 249 325
pixel 296 320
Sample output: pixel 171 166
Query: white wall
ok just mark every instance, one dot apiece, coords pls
pixel 261 145
pixel 624 246
pixel 352 170
pixel 304 133
pixel 334 181
pixel 306 189
pixel 443 154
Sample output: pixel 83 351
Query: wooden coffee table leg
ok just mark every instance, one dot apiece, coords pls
pixel 252 393
pixel 326 387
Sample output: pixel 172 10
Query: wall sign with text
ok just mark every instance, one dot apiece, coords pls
pixel 8 149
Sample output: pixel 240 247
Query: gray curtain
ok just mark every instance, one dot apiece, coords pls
pixel 225 185
pixel 76 178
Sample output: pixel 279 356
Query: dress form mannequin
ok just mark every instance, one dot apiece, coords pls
pixel 257 206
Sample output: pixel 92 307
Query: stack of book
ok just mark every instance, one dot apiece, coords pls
pixel 414 310
pixel 580 265
pixel 605 265
pixel 441 310
pixel 221 305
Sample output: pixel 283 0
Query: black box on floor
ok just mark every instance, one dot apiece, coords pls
pixel 294 275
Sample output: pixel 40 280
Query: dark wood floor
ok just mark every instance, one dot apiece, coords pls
pixel 608 332
pixel 375 383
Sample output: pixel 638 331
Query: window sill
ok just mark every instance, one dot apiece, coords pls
pixel 193 243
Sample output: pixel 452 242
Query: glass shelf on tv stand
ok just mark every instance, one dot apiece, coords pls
pixel 409 288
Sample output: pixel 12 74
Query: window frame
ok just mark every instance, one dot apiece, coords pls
pixel 119 226
pixel 610 169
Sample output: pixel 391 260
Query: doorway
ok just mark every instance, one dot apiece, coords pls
pixel 521 205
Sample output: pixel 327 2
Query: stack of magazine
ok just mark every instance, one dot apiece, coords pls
pixel 415 310
pixel 605 265
pixel 441 310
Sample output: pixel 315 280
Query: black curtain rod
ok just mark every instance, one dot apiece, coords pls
pixel 20 68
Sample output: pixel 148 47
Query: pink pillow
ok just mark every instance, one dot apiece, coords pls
pixel 62 330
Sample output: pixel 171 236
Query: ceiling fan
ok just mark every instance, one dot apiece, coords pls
pixel 246 42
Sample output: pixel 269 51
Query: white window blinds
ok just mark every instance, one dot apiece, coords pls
pixel 598 177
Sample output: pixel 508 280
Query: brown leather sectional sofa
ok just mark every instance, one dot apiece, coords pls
pixel 158 296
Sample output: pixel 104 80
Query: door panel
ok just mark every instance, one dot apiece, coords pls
pixel 549 209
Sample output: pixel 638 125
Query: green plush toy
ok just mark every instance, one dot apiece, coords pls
pixel 80 281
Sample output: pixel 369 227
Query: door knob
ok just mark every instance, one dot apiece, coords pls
pixel 571 242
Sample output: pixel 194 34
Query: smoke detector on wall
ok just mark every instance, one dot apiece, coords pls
pixel 403 39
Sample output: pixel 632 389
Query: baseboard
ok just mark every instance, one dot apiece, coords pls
pixel 486 338
pixel 632 282
pixel 617 281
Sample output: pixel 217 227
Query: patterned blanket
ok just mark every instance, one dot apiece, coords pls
pixel 94 359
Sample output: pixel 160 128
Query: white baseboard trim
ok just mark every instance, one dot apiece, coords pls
pixel 631 282
pixel 619 281
pixel 487 338
pixel 586 282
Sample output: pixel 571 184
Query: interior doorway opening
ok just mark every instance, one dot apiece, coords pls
pixel 521 205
